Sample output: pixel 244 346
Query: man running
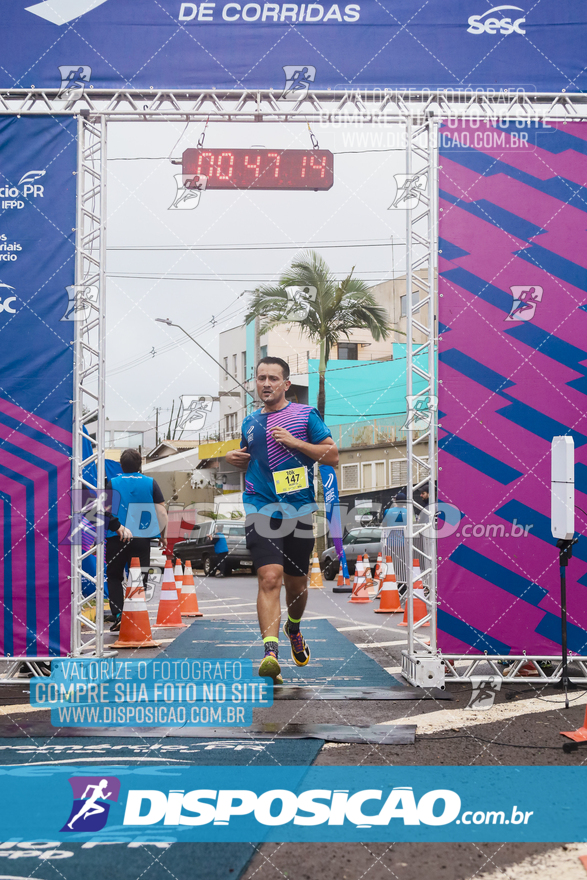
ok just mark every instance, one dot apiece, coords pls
pixel 90 807
pixel 280 443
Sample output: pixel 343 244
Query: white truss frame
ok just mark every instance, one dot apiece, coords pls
pixel 89 381
pixel 421 255
pixel 420 112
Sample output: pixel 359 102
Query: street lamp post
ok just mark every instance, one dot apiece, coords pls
pixel 171 323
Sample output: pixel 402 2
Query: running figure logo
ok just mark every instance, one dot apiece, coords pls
pixel 409 190
pixel 526 298
pixel 90 802
pixel 80 298
pixel 74 79
pixel 194 411
pixel 419 411
pixel 299 299
pixel 298 79
pixel 188 192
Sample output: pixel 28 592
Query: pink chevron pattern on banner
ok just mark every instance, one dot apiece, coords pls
pixel 35 560
pixel 512 374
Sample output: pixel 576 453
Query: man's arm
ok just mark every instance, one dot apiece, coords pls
pixel 239 458
pixel 324 452
pixel 162 519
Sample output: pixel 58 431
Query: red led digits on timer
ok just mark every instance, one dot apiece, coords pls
pixel 256 167
pixel 260 169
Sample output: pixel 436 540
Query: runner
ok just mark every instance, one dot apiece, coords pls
pixel 279 446
pixel 90 807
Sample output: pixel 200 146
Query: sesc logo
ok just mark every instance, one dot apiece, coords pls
pixel 477 24
pixel 6 306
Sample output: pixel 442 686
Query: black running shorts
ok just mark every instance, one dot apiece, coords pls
pixel 273 540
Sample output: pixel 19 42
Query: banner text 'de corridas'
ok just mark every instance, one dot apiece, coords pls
pixel 144 693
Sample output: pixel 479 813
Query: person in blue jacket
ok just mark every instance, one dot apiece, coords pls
pixel 397 515
pixel 137 515
pixel 218 561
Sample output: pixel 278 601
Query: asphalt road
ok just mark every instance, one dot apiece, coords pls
pixel 523 728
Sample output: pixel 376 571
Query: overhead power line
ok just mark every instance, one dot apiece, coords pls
pixel 272 246
pixel 226 277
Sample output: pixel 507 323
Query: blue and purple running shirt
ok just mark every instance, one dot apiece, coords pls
pixel 268 457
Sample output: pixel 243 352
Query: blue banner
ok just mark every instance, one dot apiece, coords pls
pixel 37 255
pixel 332 506
pixel 367 804
pixel 74 45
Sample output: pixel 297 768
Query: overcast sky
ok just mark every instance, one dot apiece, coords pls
pixel 354 214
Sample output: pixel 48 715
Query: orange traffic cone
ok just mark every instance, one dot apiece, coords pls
pixel 316 582
pixel 420 609
pixel 169 613
pixel 342 583
pixel 360 591
pixel 579 735
pixel 189 600
pixel 378 567
pixel 135 628
pixel 390 602
pixel 367 565
pixel 178 575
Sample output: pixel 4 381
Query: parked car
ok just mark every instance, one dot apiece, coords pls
pixel 354 542
pixel 199 549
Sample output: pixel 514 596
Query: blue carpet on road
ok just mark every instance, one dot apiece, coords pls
pixel 336 661
pixel 127 860
pixel 140 856
pixel 166 750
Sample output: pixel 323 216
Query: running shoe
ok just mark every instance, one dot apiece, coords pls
pixel 116 625
pixel 270 668
pixel 299 650
pixel 25 670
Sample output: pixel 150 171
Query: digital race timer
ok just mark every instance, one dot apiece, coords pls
pixel 258 169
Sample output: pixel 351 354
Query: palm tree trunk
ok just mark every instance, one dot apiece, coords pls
pixel 321 402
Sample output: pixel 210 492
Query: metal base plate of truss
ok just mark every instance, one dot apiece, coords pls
pixel 424 671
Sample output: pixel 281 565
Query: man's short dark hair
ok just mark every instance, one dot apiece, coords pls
pixel 273 360
pixel 131 461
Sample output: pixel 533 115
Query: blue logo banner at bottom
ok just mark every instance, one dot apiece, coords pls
pixel 319 804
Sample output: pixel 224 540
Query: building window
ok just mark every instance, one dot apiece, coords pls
pixel 373 474
pixel 350 476
pixel 244 365
pixel 380 481
pixel 398 472
pixel 226 368
pixel 348 351
pixel 231 423
pixel 234 367
pixel 263 351
pixel 402 299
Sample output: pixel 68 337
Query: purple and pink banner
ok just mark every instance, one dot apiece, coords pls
pixel 512 375
pixel 37 253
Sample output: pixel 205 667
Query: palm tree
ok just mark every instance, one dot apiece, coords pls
pixel 339 307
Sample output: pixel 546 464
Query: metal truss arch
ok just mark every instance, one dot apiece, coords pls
pixel 420 113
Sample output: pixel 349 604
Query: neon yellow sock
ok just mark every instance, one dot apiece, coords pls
pixel 271 645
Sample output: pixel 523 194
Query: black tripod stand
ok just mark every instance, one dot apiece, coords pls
pixel 565 552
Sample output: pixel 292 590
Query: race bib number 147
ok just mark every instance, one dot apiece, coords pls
pixel 291 480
